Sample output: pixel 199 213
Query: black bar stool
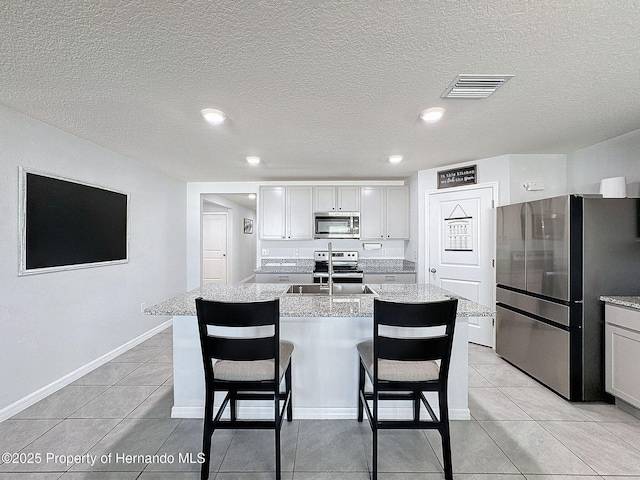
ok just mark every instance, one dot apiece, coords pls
pixel 244 367
pixel 403 368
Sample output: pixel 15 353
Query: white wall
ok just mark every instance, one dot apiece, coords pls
pixel 55 323
pixel 617 157
pixel 391 249
pixel 489 170
pixel 550 170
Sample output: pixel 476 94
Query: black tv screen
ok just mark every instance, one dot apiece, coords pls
pixel 68 224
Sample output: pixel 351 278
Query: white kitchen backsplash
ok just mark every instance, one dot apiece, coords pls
pixel 305 249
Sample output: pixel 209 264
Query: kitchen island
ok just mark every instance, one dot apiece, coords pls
pixel 325 331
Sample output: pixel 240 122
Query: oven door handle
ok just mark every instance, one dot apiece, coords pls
pixel 338 275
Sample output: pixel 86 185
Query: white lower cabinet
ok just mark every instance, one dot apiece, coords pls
pixel 284 278
pixel 622 351
pixel 389 278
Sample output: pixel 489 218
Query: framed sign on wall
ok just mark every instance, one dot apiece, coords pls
pixel 457 177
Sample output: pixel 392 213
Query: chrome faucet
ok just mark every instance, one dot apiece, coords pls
pixel 330 269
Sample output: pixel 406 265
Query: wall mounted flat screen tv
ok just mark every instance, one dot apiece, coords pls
pixel 67 224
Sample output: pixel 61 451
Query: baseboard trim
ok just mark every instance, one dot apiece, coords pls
pixel 26 402
pixel 249 279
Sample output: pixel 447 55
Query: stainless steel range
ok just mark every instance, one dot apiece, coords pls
pixel 345 267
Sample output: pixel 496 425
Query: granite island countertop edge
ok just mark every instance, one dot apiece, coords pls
pixel 622 300
pixel 314 306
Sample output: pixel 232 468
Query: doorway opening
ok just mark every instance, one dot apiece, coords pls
pixel 228 237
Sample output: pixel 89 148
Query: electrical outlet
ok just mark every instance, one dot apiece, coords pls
pixel 295 252
pixel 265 252
pixel 143 305
pixel 384 251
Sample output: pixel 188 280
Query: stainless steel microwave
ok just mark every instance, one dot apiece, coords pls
pixel 336 224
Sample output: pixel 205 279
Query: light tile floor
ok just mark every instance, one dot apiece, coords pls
pixel 519 431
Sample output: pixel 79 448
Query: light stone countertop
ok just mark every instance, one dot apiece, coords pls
pixel 285 269
pixel 623 301
pixel 383 266
pixel 294 305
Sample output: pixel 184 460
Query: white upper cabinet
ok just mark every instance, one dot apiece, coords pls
pixel 273 209
pixel 299 225
pixel 372 213
pixel 348 199
pixel 332 199
pixel 286 213
pixel 324 199
pixel 384 213
pixel 397 212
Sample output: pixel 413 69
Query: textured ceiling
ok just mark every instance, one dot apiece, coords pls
pixel 321 89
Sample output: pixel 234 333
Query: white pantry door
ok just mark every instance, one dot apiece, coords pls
pixel 461 238
pixel 214 248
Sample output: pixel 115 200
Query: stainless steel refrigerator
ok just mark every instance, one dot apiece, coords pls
pixel 555 258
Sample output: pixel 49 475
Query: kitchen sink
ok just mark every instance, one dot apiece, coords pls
pixel 338 289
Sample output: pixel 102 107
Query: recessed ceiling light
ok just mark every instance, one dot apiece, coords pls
pixel 432 115
pixel 252 196
pixel 395 159
pixel 213 116
pixel 253 160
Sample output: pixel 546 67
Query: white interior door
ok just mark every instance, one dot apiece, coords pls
pixel 214 248
pixel 461 250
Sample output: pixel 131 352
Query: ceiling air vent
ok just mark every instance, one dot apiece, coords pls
pixel 475 86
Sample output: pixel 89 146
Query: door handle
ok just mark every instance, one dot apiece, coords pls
pixel 432 270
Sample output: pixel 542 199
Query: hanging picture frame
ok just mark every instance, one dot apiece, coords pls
pixel 458 231
pixel 248 226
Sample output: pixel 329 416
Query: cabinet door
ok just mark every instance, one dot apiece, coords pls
pixel 622 350
pixel 272 213
pixel 284 278
pixel 299 213
pixel 389 278
pixel 324 199
pixel 372 213
pixel 397 213
pixel 349 199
